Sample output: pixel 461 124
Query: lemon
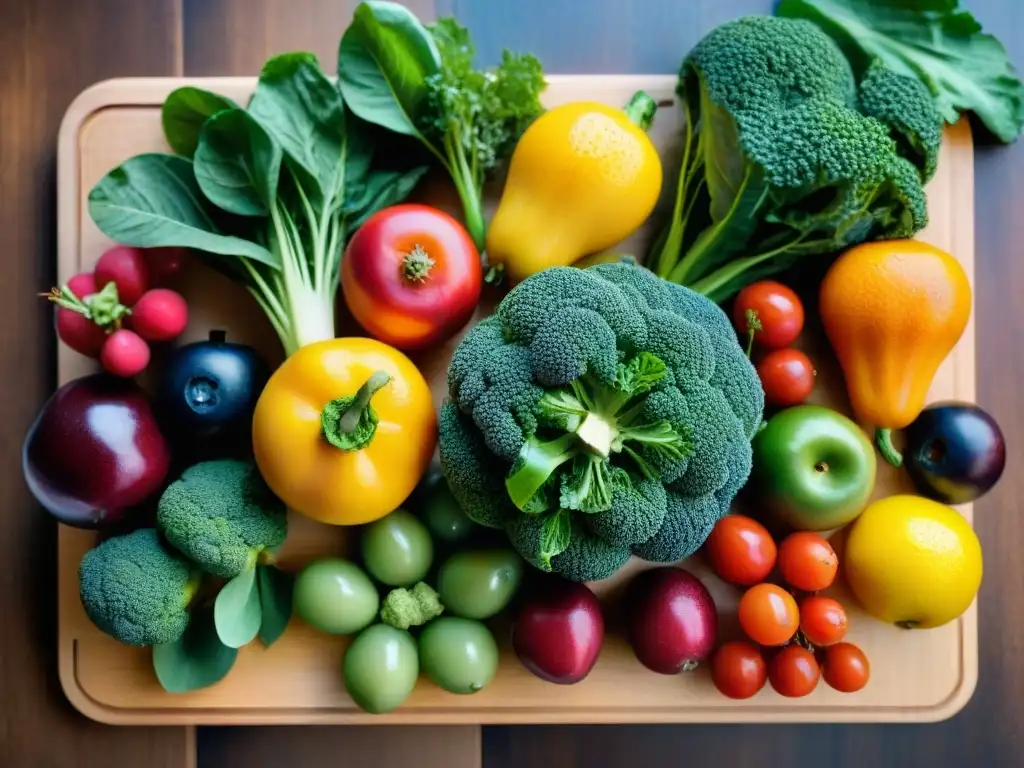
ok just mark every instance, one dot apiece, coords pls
pixel 913 562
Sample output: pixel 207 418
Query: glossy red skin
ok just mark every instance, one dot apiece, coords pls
pixel 672 620
pixel 559 632
pixel 787 377
pixel 79 333
pixel 125 267
pixel 83 284
pixel 741 551
pixel 164 264
pixel 779 309
pixel 125 354
pixel 160 315
pixel 406 314
pixel 94 452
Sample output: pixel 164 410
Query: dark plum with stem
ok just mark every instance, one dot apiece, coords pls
pixel 955 452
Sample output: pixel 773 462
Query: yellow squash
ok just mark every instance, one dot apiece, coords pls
pixel 893 311
pixel 583 177
pixel 344 430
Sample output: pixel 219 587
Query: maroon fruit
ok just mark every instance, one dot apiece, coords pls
pixel 94 452
pixel 126 268
pixel 672 620
pixel 559 632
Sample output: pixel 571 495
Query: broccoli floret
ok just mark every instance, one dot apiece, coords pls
pixel 687 525
pixel 785 157
pixel 660 401
pixel 404 608
pixel 906 106
pixel 222 516
pixel 136 589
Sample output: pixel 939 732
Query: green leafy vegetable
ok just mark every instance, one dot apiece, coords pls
pixel 275 587
pixel 237 612
pixel 267 194
pixel 935 41
pixel 198 659
pixel 421 82
pixel 555 535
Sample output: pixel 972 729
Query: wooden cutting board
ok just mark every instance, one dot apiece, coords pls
pixel 916 676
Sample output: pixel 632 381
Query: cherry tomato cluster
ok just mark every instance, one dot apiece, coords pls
pixel 770 316
pixel 795 636
pixel 112 313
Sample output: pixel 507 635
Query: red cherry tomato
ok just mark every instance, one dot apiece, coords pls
pixel 768 614
pixel 807 561
pixel 738 669
pixel 411 276
pixel 794 672
pixel 740 550
pixel 846 668
pixel 787 377
pixel 822 620
pixel 779 310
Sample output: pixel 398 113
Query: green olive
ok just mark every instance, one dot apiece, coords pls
pixel 479 583
pixel 460 655
pixel 397 549
pixel 443 515
pixel 380 668
pixel 335 596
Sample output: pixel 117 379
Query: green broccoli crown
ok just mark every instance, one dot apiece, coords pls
pixel 607 392
pixel 787 156
pixel 221 515
pixel 404 608
pixel 906 106
pixel 136 589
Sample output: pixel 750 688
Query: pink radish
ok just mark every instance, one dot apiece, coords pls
pixel 164 264
pixel 79 332
pixel 126 268
pixel 83 284
pixel 125 353
pixel 160 315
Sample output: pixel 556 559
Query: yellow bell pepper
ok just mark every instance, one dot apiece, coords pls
pixel 344 430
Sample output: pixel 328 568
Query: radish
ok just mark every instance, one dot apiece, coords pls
pixel 79 332
pixel 164 264
pixel 160 315
pixel 125 353
pixel 83 284
pixel 126 268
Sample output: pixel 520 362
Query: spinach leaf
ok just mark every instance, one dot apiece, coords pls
pixel 302 110
pixel 384 59
pixel 237 611
pixel 380 190
pixel 966 69
pixel 276 587
pixel 198 659
pixel 153 200
pixel 183 113
pixel 237 164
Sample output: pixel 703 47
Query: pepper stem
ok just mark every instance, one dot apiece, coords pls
pixel 417 264
pixel 883 439
pixel 349 423
pixel 640 109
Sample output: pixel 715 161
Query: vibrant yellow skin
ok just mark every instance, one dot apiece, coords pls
pixel 912 561
pixel 893 310
pixel 317 479
pixel 583 178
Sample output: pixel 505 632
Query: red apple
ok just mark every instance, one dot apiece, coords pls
pixel 95 451
pixel 559 632
pixel 672 620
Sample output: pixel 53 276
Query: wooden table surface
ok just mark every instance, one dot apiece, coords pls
pixel 52 49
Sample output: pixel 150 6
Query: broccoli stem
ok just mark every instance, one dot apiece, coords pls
pixel 349 422
pixel 536 462
pixel 640 109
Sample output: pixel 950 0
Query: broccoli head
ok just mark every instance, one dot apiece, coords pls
pixel 600 413
pixel 222 516
pixel 786 155
pixel 136 589
pixel 404 608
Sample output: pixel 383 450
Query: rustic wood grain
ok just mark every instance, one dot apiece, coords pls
pixel 49 51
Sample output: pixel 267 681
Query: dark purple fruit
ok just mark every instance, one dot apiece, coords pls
pixel 955 452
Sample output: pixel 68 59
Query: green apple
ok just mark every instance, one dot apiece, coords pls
pixel 814 469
